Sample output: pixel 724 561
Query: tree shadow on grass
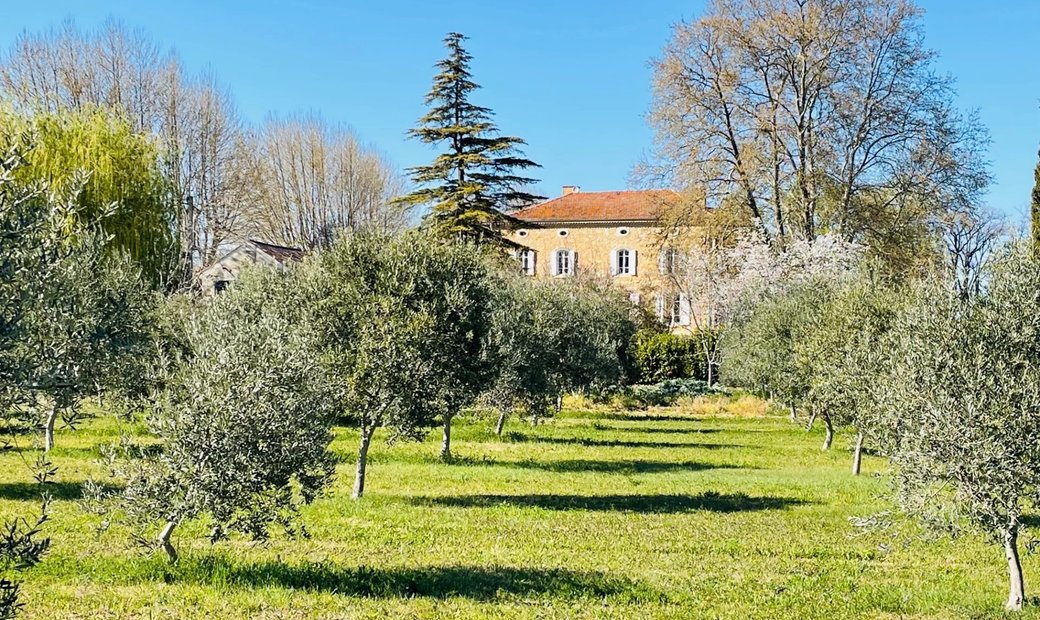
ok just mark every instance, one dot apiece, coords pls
pixel 661 504
pixel 482 583
pixel 614 443
pixel 597 466
pixel 634 417
pixel 23 491
pixel 654 430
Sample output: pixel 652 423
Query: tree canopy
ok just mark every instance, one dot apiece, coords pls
pixel 470 185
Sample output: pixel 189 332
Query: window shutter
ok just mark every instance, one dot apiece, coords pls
pixel 634 298
pixel 684 310
pixel 574 262
pixel 613 263
pixel 532 258
pixel 554 263
pixel 659 306
pixel 633 256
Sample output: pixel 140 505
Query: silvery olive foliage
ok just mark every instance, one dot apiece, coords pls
pixel 960 406
pixel 402 324
pixel 553 337
pixel 844 350
pixel 243 421
pixel 75 318
pixel 761 351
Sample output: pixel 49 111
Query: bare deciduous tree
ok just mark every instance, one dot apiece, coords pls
pixel 970 238
pixel 813 114
pixel 194 118
pixel 315 180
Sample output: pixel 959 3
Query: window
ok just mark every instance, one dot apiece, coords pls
pixel 521 233
pixel 220 286
pixel 563 262
pixel 623 262
pixel 563 233
pixel 635 298
pixel 622 231
pixel 676 309
pixel 669 261
pixel 527 262
pixel 673 309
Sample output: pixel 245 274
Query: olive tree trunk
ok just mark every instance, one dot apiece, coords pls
pixel 446 440
pixel 164 540
pixel 501 423
pixel 857 454
pixel 362 461
pixel 48 428
pixel 1017 586
pixel 794 412
pixel 812 419
pixel 828 435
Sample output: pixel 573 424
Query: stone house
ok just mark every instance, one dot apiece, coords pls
pixel 223 272
pixel 613 235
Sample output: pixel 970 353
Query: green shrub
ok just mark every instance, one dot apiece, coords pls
pixel 666 392
pixel 663 356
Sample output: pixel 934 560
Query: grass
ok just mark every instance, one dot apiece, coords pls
pixel 707 509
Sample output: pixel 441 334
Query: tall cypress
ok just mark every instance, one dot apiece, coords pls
pixel 1035 208
pixel 478 176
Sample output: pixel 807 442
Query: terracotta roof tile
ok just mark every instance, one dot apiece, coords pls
pixel 636 205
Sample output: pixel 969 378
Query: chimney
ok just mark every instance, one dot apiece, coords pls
pixel 570 189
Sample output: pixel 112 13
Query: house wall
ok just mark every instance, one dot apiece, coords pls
pixel 594 243
pixel 230 265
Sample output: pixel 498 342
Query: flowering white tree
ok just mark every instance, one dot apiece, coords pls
pixel 725 280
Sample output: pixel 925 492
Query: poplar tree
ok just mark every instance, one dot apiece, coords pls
pixel 479 175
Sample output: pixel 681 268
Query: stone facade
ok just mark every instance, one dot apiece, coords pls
pixel 224 271
pixel 606 235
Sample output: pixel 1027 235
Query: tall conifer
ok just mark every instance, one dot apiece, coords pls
pixel 1035 209
pixel 478 177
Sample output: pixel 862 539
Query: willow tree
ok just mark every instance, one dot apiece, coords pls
pixel 478 176
pixel 115 176
pixel 815 115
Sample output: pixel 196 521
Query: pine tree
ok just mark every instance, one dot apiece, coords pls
pixel 472 183
pixel 1036 208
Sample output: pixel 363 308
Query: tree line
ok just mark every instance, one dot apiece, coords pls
pixel 171 149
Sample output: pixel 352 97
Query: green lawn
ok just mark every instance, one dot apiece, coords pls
pixel 591 515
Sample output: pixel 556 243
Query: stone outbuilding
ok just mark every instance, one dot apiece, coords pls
pixel 223 272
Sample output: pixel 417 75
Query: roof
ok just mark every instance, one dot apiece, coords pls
pixel 627 206
pixel 280 253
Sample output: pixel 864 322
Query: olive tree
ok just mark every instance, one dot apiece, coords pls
pixel 553 337
pixel 761 350
pixel 402 323
pixel 843 350
pixel 88 334
pixel 22 545
pixel 243 423
pixel 960 405
pixel 75 316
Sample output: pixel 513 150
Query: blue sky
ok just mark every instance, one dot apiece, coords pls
pixel 571 77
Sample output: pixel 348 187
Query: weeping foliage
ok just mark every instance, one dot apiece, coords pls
pixel 119 183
